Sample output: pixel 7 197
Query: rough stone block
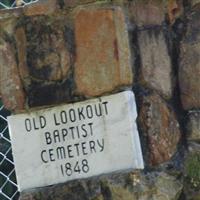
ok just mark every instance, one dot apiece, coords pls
pixel 151 13
pixel 42 7
pixel 189 71
pixel 156 69
pixel 131 186
pixel 10 84
pixel 103 60
pixel 147 12
pixel 194 2
pixel 45 50
pixel 43 40
pixel 161 128
pixel 73 3
pixel 193 126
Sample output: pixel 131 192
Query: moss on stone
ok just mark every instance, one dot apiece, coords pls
pixel 193 169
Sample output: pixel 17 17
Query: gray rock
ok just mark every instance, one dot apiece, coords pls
pixel 156 70
pixel 193 126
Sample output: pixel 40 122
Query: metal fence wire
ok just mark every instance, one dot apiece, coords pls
pixel 8 183
pixel 9 4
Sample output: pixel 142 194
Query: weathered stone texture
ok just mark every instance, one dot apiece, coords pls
pixel 194 2
pixel 147 12
pixel 10 84
pixel 42 7
pixel 160 186
pixel 102 51
pixel 156 68
pixel 45 50
pixel 73 3
pixel 189 71
pixel 193 126
pixel 161 128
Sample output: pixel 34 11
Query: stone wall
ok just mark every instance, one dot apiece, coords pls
pixel 54 52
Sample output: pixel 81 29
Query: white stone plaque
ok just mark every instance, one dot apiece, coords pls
pixel 75 141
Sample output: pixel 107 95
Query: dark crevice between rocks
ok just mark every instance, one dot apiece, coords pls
pixel 174 35
pixel 138 90
pixel 49 94
pixel 105 191
pixel 61 4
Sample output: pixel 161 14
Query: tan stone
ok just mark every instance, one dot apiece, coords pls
pixel 156 69
pixel 10 84
pixel 161 128
pixel 103 60
pixel 20 38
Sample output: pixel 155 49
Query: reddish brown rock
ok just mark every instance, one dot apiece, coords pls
pixel 10 84
pixel 156 68
pixel 161 128
pixel 174 9
pixel 73 3
pixel 42 7
pixel 189 70
pixel 102 51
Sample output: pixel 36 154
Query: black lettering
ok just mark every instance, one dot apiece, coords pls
pixel 91 130
pixel 92 146
pixel 34 124
pixel 51 155
pixel 101 145
pixel 61 154
pixel 42 121
pixel 42 156
pixel 83 148
pixel 77 129
pixel 105 105
pixel 48 138
pixel 63 116
pixel 56 135
pixel 28 125
pixel 77 148
pixel 98 110
pixel 64 133
pixel 72 131
pixel 89 111
pixel 69 149
pixel 82 127
pixel 72 115
pixel 80 113
pixel 55 120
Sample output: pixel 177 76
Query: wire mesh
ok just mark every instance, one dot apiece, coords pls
pixel 9 4
pixel 8 183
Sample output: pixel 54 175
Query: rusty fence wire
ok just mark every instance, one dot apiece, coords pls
pixel 8 183
pixel 9 4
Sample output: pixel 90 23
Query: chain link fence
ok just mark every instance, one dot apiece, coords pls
pixel 9 4
pixel 8 183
